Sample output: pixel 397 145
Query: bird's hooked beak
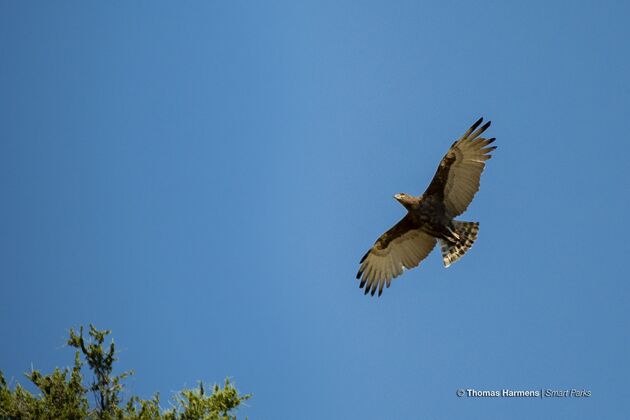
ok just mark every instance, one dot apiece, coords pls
pixel 405 200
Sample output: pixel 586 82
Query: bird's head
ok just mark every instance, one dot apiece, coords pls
pixel 405 199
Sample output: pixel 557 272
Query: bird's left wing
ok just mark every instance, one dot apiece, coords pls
pixel 403 246
pixel 457 178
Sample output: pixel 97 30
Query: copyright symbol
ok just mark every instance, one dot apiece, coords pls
pixel 460 392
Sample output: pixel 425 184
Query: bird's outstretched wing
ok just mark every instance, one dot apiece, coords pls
pixel 403 246
pixel 457 178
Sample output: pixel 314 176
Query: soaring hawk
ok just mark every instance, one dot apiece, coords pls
pixel 430 217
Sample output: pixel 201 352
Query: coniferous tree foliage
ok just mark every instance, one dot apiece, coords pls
pixel 63 395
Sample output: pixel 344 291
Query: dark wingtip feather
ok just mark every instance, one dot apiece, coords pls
pixel 365 256
pixel 362 283
pixel 373 291
pixel 476 124
pixel 367 290
pixel 485 127
pixel 380 292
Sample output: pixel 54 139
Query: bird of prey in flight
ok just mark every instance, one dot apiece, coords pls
pixel 431 216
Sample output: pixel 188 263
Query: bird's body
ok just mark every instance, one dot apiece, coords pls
pixel 431 216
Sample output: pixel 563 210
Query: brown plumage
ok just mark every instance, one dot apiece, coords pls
pixel 430 217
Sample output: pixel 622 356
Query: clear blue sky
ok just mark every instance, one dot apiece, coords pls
pixel 203 177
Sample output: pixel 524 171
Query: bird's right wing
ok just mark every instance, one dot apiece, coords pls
pixel 403 246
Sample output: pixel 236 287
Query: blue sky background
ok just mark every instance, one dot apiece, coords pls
pixel 203 177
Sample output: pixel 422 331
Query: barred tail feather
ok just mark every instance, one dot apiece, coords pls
pixel 467 232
